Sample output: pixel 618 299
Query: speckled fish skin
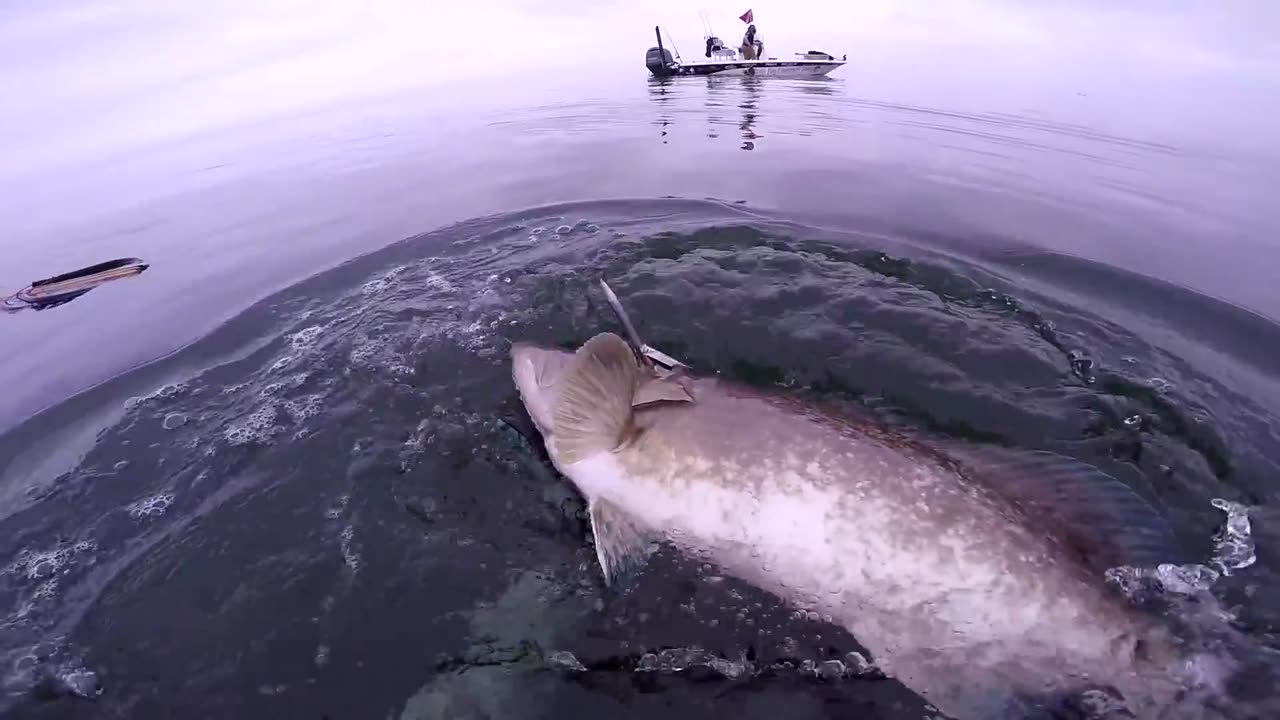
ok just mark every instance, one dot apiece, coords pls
pixel 954 593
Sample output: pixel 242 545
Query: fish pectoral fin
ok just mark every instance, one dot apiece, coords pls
pixel 1094 512
pixel 594 407
pixel 661 389
pixel 622 545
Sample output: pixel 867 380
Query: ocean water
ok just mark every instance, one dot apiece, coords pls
pixel 281 473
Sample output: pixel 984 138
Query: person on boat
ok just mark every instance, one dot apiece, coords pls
pixel 752 48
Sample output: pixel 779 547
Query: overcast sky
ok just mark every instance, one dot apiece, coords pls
pixel 79 76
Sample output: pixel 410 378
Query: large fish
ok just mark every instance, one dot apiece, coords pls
pixel 972 575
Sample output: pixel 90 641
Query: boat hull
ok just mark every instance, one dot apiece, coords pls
pixel 754 68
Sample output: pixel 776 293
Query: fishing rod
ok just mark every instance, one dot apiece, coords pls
pixel 673 44
pixel 646 353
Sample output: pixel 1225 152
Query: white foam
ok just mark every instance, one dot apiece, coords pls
pixel 373 287
pixel 365 353
pixel 306 337
pixel 258 427
pixel 45 564
pixel 439 282
pixel 152 506
pixel 164 392
pixel 20 614
pixel 305 408
pixel 289 383
pixel 47 589
pixel 349 555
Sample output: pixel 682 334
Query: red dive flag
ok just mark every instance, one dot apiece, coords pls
pixel 747 17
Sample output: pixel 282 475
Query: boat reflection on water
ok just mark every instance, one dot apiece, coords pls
pixel 743 102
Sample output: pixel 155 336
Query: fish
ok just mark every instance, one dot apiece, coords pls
pixel 972 574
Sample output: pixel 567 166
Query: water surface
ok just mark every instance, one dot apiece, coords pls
pixel 279 472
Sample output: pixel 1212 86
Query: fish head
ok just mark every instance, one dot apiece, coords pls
pixel 537 372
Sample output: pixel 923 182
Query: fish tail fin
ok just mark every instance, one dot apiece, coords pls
pixel 594 408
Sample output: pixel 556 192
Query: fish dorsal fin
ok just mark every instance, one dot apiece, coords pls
pixel 594 407
pixel 1104 519
pixel 622 545
pixel 666 389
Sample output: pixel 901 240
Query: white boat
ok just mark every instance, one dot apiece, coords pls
pixel 728 61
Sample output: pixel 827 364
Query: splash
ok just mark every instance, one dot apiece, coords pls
pixel 683 659
pixel 1233 545
pixel 1233 550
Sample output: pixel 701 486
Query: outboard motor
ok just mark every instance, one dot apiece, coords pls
pixel 659 61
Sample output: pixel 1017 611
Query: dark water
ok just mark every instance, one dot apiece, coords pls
pixel 279 475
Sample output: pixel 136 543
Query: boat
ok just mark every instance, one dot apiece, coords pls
pixel 729 61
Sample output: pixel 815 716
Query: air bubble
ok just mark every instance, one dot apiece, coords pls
pixel 258 427
pixel 304 408
pixel 46 590
pixel 153 506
